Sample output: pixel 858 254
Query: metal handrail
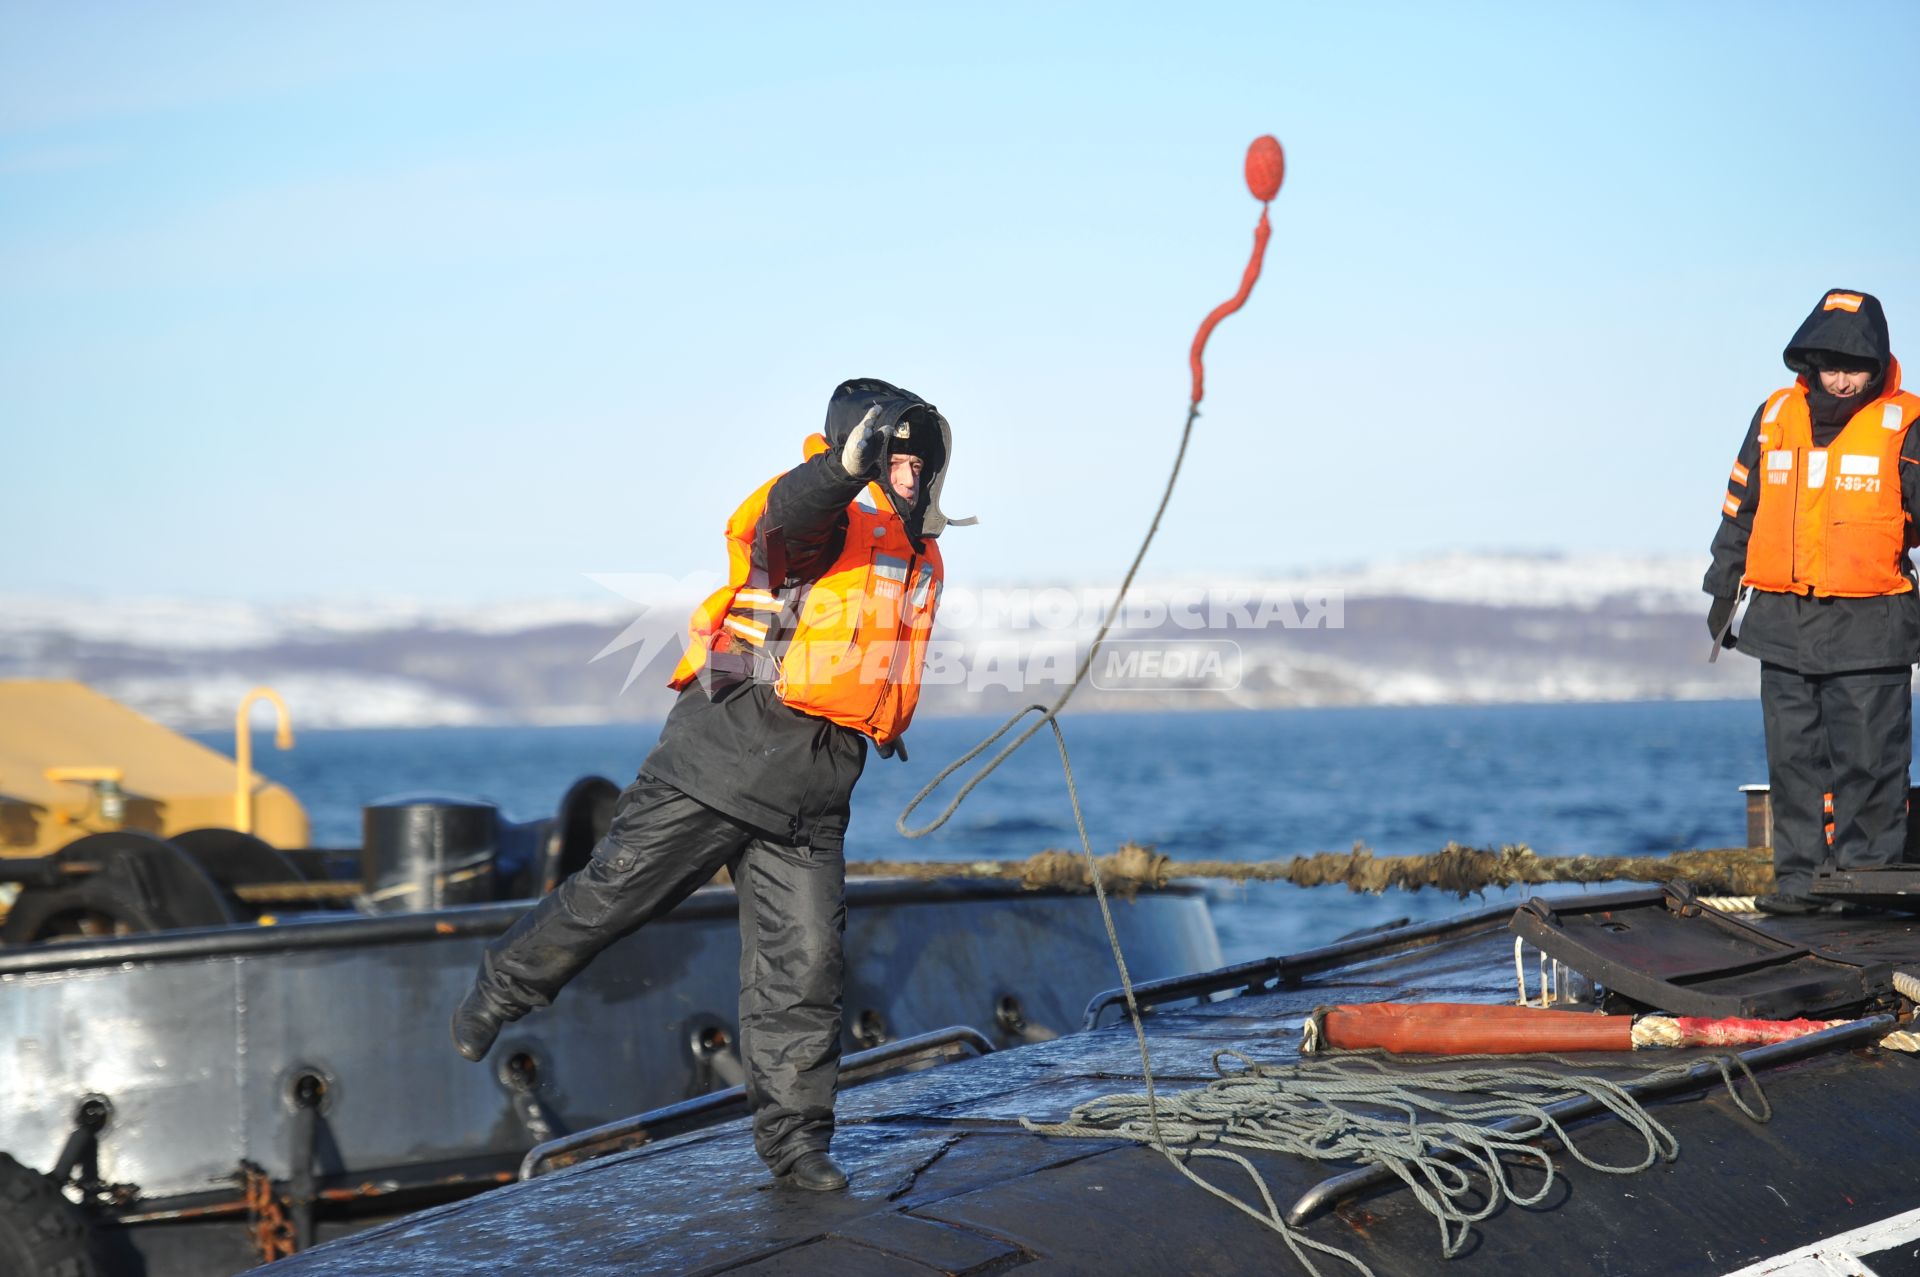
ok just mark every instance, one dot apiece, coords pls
pixel 1257 975
pixel 721 1106
pixel 478 921
pixel 1323 1196
pixel 243 750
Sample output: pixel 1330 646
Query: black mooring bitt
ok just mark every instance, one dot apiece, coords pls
pixel 308 1093
pixel 303 1139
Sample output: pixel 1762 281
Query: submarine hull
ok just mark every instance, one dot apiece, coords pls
pixel 318 1052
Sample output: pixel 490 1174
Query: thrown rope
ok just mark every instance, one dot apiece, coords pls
pixel 1265 167
pixel 1048 713
pixel 1263 179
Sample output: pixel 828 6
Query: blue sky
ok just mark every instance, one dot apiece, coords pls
pixel 470 302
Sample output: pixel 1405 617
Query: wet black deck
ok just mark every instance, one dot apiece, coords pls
pixel 945 1180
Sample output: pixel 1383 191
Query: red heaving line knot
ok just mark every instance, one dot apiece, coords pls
pixel 1266 165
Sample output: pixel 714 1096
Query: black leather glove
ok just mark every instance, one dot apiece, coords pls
pixel 1720 618
pixel 860 455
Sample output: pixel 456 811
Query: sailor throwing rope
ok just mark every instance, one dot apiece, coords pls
pixel 811 650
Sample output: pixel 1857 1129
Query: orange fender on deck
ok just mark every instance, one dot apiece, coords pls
pixel 1465 1028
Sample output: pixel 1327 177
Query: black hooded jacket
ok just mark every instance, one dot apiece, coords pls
pixel 1803 633
pixel 737 747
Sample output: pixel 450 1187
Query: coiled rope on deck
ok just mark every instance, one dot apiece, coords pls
pixel 1435 1129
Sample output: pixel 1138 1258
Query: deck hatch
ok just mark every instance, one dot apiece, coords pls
pixel 1671 954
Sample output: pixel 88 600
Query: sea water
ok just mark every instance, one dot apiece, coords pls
pixel 1610 779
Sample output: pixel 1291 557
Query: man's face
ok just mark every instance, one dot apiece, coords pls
pixel 903 475
pixel 1844 385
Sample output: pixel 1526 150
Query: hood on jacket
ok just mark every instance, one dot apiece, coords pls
pixel 1846 323
pixel 913 426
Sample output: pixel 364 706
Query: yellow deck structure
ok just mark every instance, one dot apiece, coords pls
pixel 74 762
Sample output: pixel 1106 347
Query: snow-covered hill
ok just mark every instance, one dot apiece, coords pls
pixel 1459 628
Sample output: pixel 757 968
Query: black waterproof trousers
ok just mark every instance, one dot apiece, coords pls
pixel 1850 735
pixel 660 846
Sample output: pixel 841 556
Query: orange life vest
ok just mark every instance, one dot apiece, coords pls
pixel 847 646
pixel 1830 521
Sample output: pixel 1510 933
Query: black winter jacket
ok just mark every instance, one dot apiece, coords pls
pixel 737 747
pixel 1801 632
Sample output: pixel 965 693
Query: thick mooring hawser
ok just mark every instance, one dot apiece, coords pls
pixel 947 1179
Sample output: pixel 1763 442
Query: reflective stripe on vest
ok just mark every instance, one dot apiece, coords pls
pixel 1831 521
pixel 759 600
pixel 848 646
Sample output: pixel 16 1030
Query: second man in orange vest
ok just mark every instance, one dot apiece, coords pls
pixel 1816 523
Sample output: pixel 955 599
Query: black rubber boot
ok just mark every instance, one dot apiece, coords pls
pixel 816 1172
pixel 475 1025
